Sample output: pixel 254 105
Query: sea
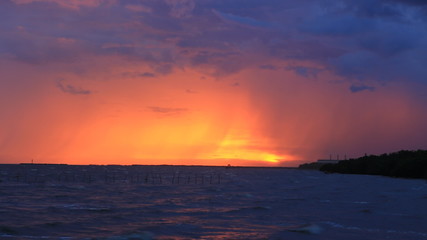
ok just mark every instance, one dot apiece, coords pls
pixel 47 201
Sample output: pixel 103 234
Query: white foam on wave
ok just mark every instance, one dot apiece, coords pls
pixel 307 228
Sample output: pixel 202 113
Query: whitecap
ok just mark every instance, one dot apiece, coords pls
pixel 306 228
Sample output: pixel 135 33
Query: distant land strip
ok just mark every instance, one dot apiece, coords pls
pixel 401 164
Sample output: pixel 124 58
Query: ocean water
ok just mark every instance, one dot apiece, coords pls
pixel 177 202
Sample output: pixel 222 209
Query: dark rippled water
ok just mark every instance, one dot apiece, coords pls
pixel 170 202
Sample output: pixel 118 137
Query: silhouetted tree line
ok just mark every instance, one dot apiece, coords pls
pixel 311 166
pixel 404 164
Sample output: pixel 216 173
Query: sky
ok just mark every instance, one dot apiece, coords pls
pixel 211 82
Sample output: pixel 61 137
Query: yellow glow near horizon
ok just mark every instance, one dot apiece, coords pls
pixel 191 120
pixel 240 144
pixel 248 154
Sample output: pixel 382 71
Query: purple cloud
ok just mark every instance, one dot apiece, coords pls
pixel 167 111
pixel 307 72
pixel 359 88
pixel 138 74
pixel 268 67
pixel 71 89
pixel 244 21
pixel 388 37
pixel 181 8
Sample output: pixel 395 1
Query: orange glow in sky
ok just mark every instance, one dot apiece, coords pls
pixel 206 126
pixel 188 118
pixel 203 83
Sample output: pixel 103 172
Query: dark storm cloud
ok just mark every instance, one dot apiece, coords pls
pixel 359 39
pixel 337 25
pixel 391 41
pixel 356 65
pixel 373 46
pixel 411 2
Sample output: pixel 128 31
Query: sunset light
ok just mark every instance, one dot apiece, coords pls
pixel 203 83
pixel 213 119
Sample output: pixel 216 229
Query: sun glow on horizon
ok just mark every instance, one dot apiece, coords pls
pixel 206 126
pixel 194 120
pixel 248 155
pixel 241 143
pixel 149 82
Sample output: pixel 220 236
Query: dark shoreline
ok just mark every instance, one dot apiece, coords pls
pixel 402 164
